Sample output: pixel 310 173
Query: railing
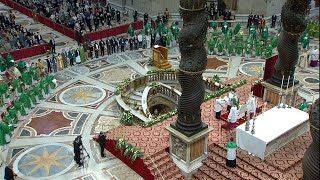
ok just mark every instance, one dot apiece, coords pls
pixel 156 168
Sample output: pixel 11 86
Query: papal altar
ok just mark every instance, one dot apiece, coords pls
pixel 273 129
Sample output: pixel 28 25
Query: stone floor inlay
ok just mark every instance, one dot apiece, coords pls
pixel 82 95
pixel 44 161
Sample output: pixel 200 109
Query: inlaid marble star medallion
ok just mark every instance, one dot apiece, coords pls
pixel 44 161
pixel 82 95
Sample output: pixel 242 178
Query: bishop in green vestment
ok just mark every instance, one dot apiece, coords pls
pixel 82 55
pixel 26 101
pixel 9 61
pixel 17 86
pixel 4 131
pixel 18 105
pixel 3 65
pixel 130 31
pixel 13 113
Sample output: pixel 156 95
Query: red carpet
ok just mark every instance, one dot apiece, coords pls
pixel 138 166
pixel 240 121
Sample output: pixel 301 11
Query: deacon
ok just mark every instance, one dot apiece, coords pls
pixel 231 154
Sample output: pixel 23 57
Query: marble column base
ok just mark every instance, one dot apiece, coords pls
pixel 188 152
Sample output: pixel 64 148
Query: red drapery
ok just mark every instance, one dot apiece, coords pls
pixel 138 166
pixel 70 32
pixel 269 67
pixel 27 52
pixel 112 31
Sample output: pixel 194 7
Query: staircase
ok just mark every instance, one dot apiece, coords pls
pixel 135 97
pixel 163 167
pixel 214 167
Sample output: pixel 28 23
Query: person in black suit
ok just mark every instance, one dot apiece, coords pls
pixel 145 18
pixel 52 46
pixel 101 45
pixel 118 16
pixel 102 143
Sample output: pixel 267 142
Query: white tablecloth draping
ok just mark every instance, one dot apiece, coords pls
pixel 269 126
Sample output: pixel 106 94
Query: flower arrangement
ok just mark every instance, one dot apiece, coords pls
pixel 216 78
pixel 127 118
pixel 128 150
pixel 122 86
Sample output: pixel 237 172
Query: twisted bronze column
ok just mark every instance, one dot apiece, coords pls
pixel 193 63
pixel 310 163
pixel 294 23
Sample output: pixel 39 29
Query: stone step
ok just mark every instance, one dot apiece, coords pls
pixel 159 163
pixel 228 173
pixel 165 170
pixel 237 171
pixel 137 93
pixel 136 97
pixel 271 171
pixel 156 157
pixel 218 151
pixel 174 174
pixel 206 172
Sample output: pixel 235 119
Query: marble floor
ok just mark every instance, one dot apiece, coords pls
pixel 83 103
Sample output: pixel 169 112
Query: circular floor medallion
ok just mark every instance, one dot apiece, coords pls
pixel 44 161
pixel 82 95
pixel 252 68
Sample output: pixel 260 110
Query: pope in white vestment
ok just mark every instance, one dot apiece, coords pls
pixel 251 105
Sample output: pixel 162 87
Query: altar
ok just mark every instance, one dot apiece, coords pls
pixel 273 129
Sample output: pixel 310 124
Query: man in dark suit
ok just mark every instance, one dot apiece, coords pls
pixel 118 16
pixel 52 46
pixel 101 45
pixel 102 142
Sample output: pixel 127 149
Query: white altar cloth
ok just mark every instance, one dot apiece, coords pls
pixel 268 127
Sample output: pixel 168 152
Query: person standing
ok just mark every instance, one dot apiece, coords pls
pixel 71 56
pixel 303 106
pixel 251 105
pixel 96 49
pixel 122 44
pixel 49 66
pixel 218 107
pixel 52 44
pixel 102 143
pixel 65 58
pixel 233 117
pixel 314 57
pixel 101 45
pixel 54 64
pixel 231 154
pixel 118 16
pixel 9 174
pixel 108 43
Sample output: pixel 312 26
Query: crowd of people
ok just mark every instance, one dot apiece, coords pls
pixel 23 85
pixel 15 35
pixel 78 15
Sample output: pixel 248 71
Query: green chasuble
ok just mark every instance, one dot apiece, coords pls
pixel 215 35
pixel 211 45
pixel 225 27
pixel 33 73
pixel 268 51
pixel 248 48
pixel 220 45
pixel 17 85
pixel 303 106
pixel 130 31
pixel 21 66
pixel 19 107
pixel 239 48
pixel 230 47
pixel 175 32
pixel 4 130
pixel 25 100
pixel 229 35
pixel 44 86
pixel 32 96
pixel 231 145
pixel 4 88
pixel 265 34
pixel 258 50
pixel 214 25
pixel 82 55
pixel 26 78
pixel 169 39
pixel 13 113
pixel 38 91
pixel 2 64
pixel 9 120
pixel 49 80
pixel 9 61
pixel 239 37
pixel 160 27
pixel 306 41
pixel 165 30
pixel 237 28
pixel 147 28
pixel 274 42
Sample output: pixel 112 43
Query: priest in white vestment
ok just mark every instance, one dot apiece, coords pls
pixel 218 107
pixel 233 117
pixel 251 105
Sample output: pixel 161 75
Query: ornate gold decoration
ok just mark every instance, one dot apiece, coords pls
pixel 46 161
